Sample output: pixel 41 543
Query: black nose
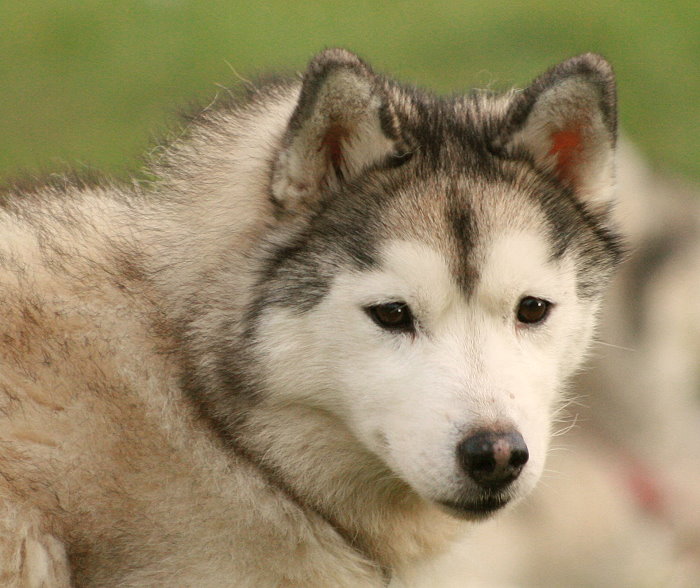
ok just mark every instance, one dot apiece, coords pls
pixel 493 459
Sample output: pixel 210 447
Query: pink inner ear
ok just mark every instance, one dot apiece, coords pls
pixel 332 143
pixel 566 145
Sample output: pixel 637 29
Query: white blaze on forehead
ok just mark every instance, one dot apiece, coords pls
pixel 519 264
pixel 422 271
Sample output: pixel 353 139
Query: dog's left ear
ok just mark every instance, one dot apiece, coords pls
pixel 566 121
pixel 343 124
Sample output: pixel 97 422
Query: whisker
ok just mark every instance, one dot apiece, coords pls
pixel 560 449
pixel 612 345
pixel 567 428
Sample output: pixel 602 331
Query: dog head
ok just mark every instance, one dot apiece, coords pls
pixel 437 267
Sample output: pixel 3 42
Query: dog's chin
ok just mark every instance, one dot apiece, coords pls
pixel 475 508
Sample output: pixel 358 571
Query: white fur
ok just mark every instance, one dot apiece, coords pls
pixel 411 399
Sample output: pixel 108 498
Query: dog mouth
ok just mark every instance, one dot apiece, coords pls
pixel 480 507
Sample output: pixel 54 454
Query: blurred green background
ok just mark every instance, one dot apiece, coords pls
pixel 89 83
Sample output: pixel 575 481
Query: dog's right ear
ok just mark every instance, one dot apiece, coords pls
pixel 566 122
pixel 343 124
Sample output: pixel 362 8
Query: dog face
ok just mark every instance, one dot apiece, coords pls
pixel 442 339
pixel 437 269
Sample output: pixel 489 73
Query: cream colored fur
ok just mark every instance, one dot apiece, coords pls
pixel 98 448
pixel 115 470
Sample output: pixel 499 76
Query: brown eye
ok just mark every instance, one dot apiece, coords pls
pixel 393 316
pixel 533 310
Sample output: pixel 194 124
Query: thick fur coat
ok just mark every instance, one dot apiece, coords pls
pixel 271 365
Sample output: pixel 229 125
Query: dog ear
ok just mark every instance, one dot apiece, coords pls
pixel 343 123
pixel 566 121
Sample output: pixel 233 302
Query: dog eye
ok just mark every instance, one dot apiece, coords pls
pixel 533 310
pixel 392 316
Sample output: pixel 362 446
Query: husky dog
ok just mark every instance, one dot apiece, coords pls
pixel 335 326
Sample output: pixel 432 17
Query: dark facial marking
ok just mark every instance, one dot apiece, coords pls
pixel 461 221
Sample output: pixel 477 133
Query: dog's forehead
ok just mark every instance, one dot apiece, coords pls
pixel 461 217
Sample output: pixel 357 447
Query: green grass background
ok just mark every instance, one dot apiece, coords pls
pixel 89 83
